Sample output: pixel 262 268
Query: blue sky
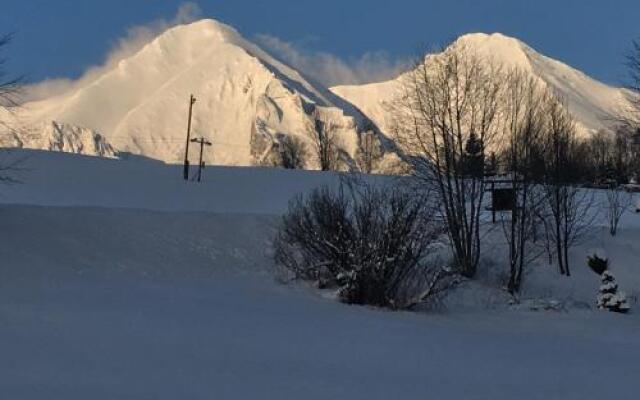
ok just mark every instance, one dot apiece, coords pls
pixel 62 38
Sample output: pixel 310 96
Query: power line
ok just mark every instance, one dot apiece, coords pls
pixel 149 140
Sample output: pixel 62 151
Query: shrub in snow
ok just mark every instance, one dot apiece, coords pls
pixel 597 264
pixel 374 245
pixel 609 298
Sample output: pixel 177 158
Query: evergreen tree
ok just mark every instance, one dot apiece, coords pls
pixel 473 158
pixel 491 168
pixel 609 298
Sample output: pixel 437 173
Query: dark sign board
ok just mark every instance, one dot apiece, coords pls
pixel 503 199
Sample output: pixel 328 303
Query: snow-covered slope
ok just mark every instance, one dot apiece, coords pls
pixel 591 102
pixel 246 100
pixel 120 281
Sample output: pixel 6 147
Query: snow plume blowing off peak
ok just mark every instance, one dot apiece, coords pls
pixel 133 41
pixel 331 70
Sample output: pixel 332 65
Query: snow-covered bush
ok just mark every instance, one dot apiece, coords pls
pixel 374 245
pixel 609 298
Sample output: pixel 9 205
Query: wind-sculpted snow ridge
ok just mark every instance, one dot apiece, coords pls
pixel 592 103
pixel 247 101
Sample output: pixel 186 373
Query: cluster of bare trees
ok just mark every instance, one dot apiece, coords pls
pixel 609 156
pixel 458 119
pixel 612 155
pixel 457 108
pixel 9 99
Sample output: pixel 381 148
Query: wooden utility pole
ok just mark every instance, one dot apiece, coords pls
pixel 202 142
pixel 368 145
pixel 192 101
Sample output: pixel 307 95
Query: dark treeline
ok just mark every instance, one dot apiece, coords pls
pixel 608 157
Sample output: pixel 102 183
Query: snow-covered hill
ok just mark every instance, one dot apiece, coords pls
pixel 119 280
pixel 591 102
pixel 247 101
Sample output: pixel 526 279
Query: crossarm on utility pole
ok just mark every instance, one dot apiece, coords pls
pixel 203 142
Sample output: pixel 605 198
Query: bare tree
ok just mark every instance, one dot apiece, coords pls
pixel 369 152
pixel 618 202
pixel 325 142
pixel 374 245
pixel 9 86
pixel 623 157
pixel 447 99
pixel 569 208
pixel 523 113
pixel 632 117
pixel 601 147
pixel 293 152
pixel 9 100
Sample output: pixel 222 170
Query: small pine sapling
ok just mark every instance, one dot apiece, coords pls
pixel 609 298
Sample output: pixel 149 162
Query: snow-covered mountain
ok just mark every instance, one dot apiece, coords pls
pixel 247 102
pixel 591 102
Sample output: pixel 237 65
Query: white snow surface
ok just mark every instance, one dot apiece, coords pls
pixel 592 103
pixel 121 281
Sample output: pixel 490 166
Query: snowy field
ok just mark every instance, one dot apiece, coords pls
pixel 120 281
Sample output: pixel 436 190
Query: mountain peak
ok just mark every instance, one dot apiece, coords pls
pixel 207 28
pixel 497 46
pixel 195 38
pixel 495 37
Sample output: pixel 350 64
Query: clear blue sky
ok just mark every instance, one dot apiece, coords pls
pixel 61 38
